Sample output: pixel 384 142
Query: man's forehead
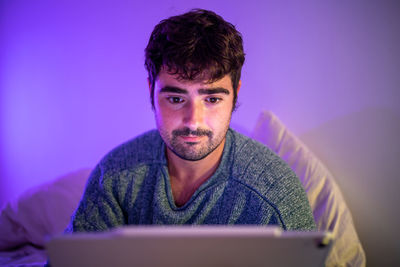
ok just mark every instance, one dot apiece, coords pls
pixel 167 78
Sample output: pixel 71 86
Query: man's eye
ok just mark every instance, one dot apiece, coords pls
pixel 213 100
pixel 175 99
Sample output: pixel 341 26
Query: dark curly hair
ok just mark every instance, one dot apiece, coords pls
pixel 196 44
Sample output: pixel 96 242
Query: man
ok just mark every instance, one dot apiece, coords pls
pixel 193 169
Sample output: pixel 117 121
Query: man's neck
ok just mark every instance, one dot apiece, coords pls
pixel 187 176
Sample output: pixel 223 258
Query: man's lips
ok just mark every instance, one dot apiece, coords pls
pixel 191 138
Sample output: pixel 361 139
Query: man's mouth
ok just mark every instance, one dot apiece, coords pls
pixel 191 138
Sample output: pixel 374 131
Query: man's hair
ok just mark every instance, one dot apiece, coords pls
pixel 198 44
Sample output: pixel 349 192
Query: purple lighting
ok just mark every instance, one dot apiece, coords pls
pixel 73 84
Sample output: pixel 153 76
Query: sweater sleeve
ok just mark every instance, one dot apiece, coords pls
pixel 294 206
pixel 267 174
pixel 99 209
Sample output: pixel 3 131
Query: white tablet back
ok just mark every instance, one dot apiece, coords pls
pixel 191 246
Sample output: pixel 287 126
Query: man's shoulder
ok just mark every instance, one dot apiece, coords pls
pixel 146 148
pixel 246 150
pixel 257 166
pixel 258 169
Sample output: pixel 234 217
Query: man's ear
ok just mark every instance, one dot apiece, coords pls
pixel 239 85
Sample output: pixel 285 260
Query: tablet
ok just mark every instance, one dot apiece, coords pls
pixel 178 246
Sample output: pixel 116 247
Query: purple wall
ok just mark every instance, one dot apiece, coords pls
pixel 73 85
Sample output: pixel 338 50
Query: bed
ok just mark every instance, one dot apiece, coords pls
pixel 44 211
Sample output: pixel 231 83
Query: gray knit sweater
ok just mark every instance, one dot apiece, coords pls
pixel 250 186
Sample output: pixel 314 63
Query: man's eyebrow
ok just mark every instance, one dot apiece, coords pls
pixel 173 89
pixel 210 91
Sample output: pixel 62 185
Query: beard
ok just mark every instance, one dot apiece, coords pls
pixel 192 151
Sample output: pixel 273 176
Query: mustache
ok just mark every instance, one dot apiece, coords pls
pixel 186 132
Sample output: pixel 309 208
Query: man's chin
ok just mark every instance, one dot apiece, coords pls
pixel 193 151
pixel 192 143
pixel 192 155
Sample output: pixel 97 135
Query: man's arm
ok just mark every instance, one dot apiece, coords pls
pixel 98 209
pixel 294 205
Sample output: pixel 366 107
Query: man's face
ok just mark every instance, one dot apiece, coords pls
pixel 192 116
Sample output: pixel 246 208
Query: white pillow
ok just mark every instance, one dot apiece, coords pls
pixel 41 212
pixel 329 208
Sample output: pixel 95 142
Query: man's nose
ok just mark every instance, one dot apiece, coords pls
pixel 194 115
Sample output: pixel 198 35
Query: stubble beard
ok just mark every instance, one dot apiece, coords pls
pixel 193 151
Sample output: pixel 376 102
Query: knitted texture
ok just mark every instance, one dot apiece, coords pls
pixel 252 185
